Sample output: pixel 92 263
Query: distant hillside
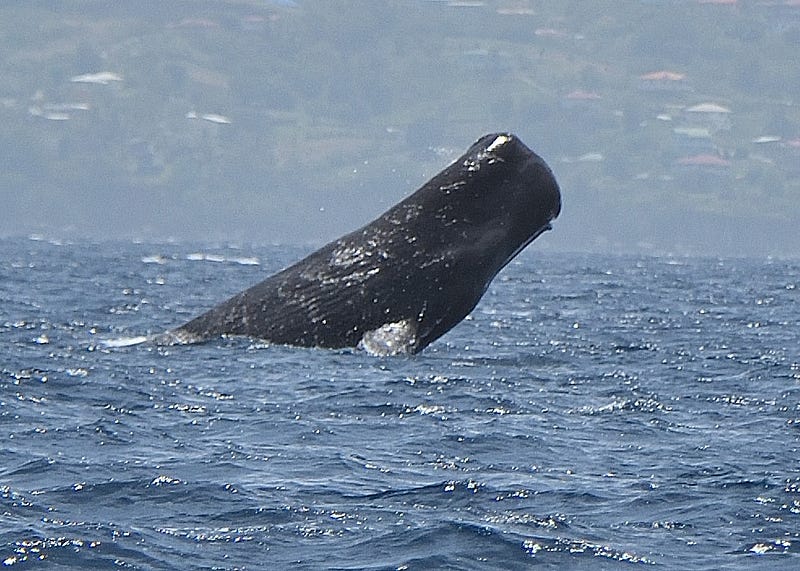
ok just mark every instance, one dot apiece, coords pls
pixel 671 125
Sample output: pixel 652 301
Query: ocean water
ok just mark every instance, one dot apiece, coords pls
pixel 594 412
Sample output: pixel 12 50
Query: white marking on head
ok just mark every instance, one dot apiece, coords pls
pixel 498 142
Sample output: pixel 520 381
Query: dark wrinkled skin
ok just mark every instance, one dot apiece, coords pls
pixel 425 262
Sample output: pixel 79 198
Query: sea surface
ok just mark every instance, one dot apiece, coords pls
pixel 594 412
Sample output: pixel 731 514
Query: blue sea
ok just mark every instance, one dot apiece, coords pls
pixel 594 412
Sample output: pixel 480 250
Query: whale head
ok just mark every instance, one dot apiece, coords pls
pixel 491 202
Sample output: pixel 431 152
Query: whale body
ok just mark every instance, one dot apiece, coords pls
pixel 406 278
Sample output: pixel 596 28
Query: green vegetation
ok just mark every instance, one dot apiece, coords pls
pixel 321 114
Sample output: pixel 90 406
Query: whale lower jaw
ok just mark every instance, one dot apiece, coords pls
pixel 398 338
